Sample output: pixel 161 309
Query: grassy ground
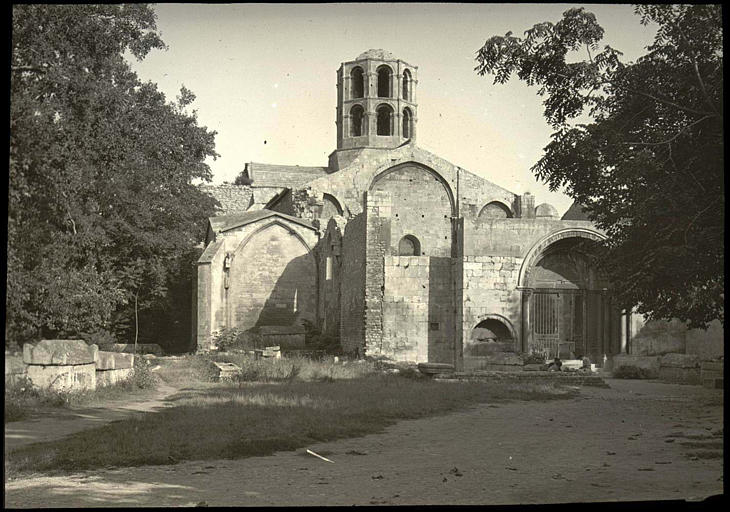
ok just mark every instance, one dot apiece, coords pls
pixel 198 369
pixel 247 419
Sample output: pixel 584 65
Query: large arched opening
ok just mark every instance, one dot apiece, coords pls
pixel 356 83
pixel 567 309
pixel 384 79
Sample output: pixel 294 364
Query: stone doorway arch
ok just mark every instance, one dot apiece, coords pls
pixel 566 303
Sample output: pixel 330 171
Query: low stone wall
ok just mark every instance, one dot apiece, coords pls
pixel 128 348
pixel 290 337
pixel 680 368
pixel 62 365
pixel 15 369
pixel 69 365
pixel 113 367
pixel 672 367
pixel 650 364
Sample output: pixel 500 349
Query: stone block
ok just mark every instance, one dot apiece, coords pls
pixel 713 383
pixel 709 366
pixel 226 371
pixel 112 377
pixel 114 360
pixel 79 377
pixel 649 363
pixel 680 375
pixel 680 361
pixel 59 352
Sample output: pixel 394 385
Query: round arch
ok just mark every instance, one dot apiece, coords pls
pixel 384 74
pixel 495 210
pixel 383 173
pixel 499 318
pixel 538 249
pixel 334 201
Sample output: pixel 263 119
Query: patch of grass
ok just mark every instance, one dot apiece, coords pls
pixel 260 419
pixel 198 369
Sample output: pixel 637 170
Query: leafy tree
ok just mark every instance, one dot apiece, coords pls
pixel 648 167
pixel 102 210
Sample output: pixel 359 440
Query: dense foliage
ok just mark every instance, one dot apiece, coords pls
pixel 102 209
pixel 648 168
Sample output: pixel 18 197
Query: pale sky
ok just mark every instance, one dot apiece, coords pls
pixel 265 78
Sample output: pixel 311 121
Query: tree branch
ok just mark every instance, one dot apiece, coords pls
pixel 32 69
pixel 669 139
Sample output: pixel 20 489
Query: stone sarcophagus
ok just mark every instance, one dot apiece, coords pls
pixel 68 365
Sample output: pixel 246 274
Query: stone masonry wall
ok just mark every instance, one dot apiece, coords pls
pixel 232 198
pixel 512 237
pixel 420 207
pixel 377 215
pixel 352 286
pixel 490 289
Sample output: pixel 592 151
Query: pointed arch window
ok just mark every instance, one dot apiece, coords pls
pixel 385 120
pixel 357 87
pixel 357 117
pixel 407 123
pixel 384 73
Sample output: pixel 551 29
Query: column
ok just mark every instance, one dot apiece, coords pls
pixel 624 344
pixel 347 89
pixel 526 327
pixel 368 90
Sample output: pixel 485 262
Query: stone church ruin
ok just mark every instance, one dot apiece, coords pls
pixel 399 253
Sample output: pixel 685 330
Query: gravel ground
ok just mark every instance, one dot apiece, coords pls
pixel 638 440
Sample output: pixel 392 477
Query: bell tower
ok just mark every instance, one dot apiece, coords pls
pixel 376 102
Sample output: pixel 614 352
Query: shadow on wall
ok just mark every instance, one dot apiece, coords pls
pixel 293 297
pixel 440 310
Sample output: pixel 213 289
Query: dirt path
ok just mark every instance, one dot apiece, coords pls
pixel 636 441
pixel 57 423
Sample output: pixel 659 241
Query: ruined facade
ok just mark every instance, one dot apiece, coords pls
pixel 400 253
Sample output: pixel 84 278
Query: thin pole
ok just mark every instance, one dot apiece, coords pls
pixel 136 323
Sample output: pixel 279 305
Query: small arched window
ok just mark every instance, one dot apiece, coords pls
pixel 406 85
pixel 356 121
pixel 407 123
pixel 356 83
pixel 409 246
pixel 385 120
pixel 384 73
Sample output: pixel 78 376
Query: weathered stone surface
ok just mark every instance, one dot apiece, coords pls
pixel 650 363
pixel 226 371
pixel 142 348
pixel 680 375
pixel 112 377
pixel 79 377
pixel 59 352
pixel 435 368
pixel 680 361
pixel 286 336
pixel 15 369
pixel 114 360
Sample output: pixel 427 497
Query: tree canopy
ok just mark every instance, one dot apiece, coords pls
pixel 102 209
pixel 648 166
